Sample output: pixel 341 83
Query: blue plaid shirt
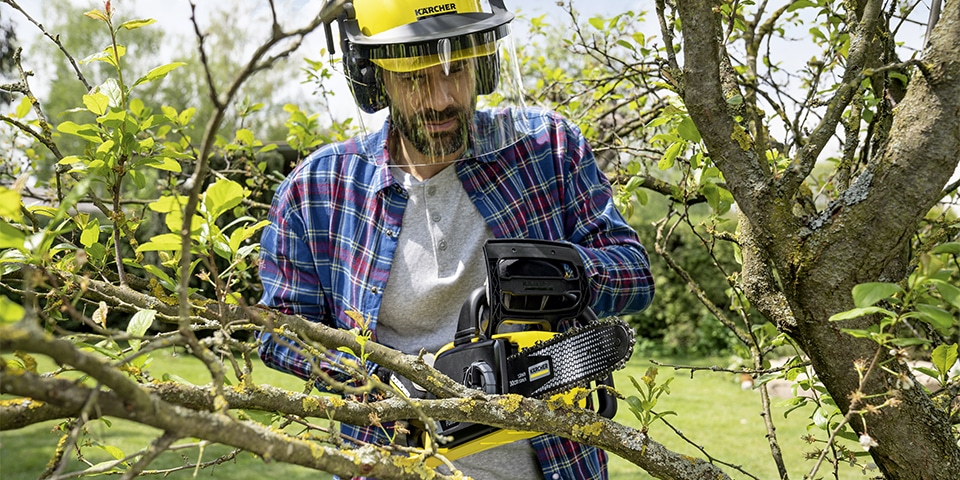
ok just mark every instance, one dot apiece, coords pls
pixel 336 219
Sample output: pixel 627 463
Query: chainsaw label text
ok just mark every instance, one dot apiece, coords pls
pixel 539 370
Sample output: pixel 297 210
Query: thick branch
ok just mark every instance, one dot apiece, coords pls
pixel 729 144
pixel 500 411
pixel 215 427
pixel 860 42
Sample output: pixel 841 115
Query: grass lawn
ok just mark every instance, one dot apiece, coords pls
pixel 724 420
pixel 712 410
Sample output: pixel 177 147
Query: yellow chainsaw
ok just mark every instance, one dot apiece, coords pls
pixel 508 340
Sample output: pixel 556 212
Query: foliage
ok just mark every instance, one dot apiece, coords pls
pixel 650 392
pixel 8 39
pixel 782 217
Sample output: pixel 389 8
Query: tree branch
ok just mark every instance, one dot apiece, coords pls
pixel 806 158
pixel 56 40
pixel 509 411
pixel 729 144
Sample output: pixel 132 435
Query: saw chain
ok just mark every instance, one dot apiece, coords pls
pixel 569 360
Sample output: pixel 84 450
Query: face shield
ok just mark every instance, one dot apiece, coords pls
pixel 447 86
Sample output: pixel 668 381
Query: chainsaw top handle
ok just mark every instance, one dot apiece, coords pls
pixel 539 282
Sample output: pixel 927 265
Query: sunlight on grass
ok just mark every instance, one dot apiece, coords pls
pixel 716 414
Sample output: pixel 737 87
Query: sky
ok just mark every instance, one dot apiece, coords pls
pixel 174 17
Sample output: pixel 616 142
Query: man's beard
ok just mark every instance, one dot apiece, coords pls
pixel 439 144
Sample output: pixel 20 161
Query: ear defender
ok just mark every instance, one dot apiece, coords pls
pixel 366 82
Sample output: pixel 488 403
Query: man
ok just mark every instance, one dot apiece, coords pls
pixel 391 224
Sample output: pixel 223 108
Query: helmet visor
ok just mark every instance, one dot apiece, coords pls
pixel 409 58
pixel 453 98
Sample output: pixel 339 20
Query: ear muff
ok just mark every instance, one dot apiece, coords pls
pixel 365 80
pixel 488 74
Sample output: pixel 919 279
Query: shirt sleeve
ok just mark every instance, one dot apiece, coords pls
pixel 293 285
pixel 615 260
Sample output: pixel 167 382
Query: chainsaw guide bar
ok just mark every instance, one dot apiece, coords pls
pixel 571 359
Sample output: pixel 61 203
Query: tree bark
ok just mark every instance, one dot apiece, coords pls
pixel 190 411
pixel 864 236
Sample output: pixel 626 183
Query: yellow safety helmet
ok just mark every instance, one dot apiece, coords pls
pixel 409 35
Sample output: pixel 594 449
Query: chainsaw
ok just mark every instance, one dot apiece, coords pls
pixel 507 341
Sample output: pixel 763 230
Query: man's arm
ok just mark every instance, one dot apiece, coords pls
pixel 616 261
pixel 292 285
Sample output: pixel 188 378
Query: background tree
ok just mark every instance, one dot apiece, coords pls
pixel 817 200
pixel 8 38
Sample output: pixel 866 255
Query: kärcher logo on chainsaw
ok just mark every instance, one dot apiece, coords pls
pixel 538 370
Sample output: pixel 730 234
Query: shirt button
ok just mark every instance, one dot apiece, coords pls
pixel 556 476
pixel 432 190
pixel 442 245
pixel 374 290
pixel 436 217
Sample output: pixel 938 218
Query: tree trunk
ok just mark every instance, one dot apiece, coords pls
pixel 862 237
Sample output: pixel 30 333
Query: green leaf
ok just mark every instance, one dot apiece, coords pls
pixel 164 163
pixel 928 372
pixel 162 276
pixel 114 451
pixel 10 204
pixel 259 416
pixel 186 115
pixel 797 5
pixel 91 233
pixel 168 204
pixel 87 132
pixel 240 234
pixel 944 357
pixel 597 22
pixel 134 24
pixel 162 242
pixel 735 100
pixel 909 342
pixel 96 15
pixel 940 319
pixel 868 294
pixel 158 73
pixel 10 236
pixel 859 312
pixel 97 103
pixel 670 156
pixel 221 197
pixel 138 179
pixel 949 292
pixel 268 148
pixel 10 312
pixel 173 377
pixel 245 137
pixel 111 88
pixel 688 130
pixel 952 248
pixel 635 404
pixel 24 108
pixel 138 326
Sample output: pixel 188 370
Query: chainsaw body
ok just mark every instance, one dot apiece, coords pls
pixel 507 339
